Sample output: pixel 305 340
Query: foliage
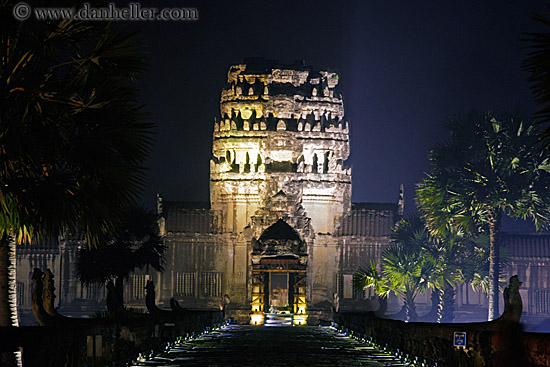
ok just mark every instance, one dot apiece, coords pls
pixel 72 136
pixel 490 165
pixel 370 277
pixel 537 64
pixel 430 262
pixel 134 245
pixel 404 269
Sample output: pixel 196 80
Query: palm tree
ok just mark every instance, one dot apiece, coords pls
pixel 404 271
pixel 456 259
pixel 412 232
pixel 135 244
pixel 491 165
pixel 369 277
pixel 72 139
pixel 408 275
pixel 446 255
pixel 536 64
pixel 451 260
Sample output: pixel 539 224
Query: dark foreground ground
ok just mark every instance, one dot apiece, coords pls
pixel 237 345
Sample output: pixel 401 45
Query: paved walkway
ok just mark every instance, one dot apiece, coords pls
pixel 237 345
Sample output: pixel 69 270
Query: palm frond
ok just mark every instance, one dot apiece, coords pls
pixel 73 135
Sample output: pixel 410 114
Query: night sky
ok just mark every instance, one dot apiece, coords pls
pixel 404 67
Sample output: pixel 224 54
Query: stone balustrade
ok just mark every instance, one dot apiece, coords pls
pixel 498 343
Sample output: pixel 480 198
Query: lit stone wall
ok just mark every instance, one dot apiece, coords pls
pixel 280 129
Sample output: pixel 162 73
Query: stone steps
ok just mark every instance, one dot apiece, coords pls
pixel 277 319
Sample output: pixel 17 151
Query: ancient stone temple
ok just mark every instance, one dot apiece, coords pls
pixel 280 232
pixel 280 218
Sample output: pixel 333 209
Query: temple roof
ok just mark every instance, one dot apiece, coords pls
pixel 171 205
pixel 188 216
pixel 369 219
pixel 526 245
pixel 374 206
pixel 280 230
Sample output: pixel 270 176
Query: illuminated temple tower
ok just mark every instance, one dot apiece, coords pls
pixel 280 219
pixel 281 132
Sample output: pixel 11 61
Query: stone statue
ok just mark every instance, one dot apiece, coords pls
pixel 150 297
pixel 175 305
pixel 36 298
pixel 224 301
pixel 151 305
pixel 506 339
pixel 513 305
pixel 49 294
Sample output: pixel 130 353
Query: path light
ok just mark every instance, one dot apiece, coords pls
pixel 257 319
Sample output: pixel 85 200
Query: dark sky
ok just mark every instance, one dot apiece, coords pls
pixel 404 67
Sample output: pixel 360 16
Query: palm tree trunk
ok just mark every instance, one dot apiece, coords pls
pixel 8 293
pixel 494 217
pixel 119 294
pixel 111 302
pixel 410 307
pixel 434 311
pixel 383 306
pixel 447 304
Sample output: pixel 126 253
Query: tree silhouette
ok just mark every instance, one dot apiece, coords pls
pixel 72 136
pixel 537 64
pixel 491 165
pixel 134 245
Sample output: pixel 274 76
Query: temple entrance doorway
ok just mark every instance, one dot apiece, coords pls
pixel 278 277
pixel 278 292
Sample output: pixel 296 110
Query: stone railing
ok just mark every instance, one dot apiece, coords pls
pixel 99 341
pixel 112 341
pixel 497 343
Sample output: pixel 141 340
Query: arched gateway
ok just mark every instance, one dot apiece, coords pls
pixel 279 273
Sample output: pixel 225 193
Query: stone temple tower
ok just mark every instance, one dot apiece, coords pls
pixel 281 130
pixel 280 231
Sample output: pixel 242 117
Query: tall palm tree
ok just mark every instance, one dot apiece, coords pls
pixel 135 244
pixel 412 232
pixel 72 136
pixel 491 165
